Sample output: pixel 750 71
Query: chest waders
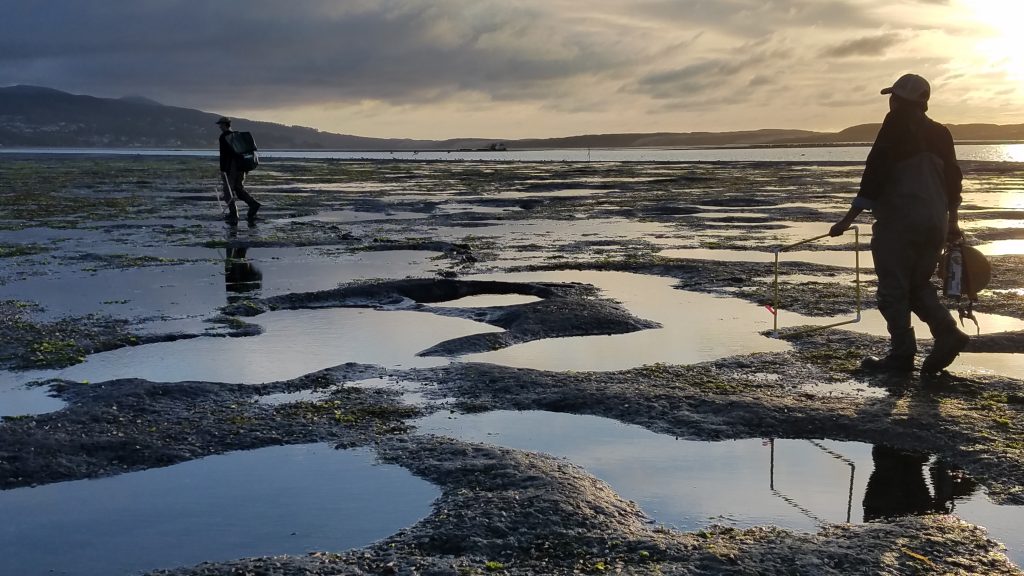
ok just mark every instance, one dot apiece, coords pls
pixel 907 239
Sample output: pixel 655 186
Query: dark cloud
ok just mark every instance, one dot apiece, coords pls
pixel 759 17
pixel 875 45
pixel 265 53
pixel 439 59
pixel 737 76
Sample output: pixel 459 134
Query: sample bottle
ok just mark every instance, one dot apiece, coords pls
pixel 954 271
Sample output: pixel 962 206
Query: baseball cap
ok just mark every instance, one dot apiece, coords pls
pixel 224 120
pixel 910 87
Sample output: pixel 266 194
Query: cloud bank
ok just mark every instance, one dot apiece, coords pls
pixel 524 68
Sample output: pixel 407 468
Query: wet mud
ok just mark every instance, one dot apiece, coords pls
pixel 504 511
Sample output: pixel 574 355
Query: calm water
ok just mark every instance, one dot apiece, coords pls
pixel 279 500
pixel 991 152
pixel 796 484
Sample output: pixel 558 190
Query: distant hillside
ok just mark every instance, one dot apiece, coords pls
pixel 32 116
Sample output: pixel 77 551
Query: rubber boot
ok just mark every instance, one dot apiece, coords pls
pixel 947 346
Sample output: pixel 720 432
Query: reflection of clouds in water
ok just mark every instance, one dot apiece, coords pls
pixel 16 399
pixel 789 483
pixel 159 290
pixel 695 327
pixel 212 510
pixel 295 342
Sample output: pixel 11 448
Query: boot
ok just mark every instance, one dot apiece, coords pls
pixel 889 363
pixel 253 209
pixel 232 217
pixel 945 350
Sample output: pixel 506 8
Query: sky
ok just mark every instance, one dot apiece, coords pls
pixel 508 69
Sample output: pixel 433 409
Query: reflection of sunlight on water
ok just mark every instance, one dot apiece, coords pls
pixel 1011 365
pixel 841 258
pixel 696 327
pixel 279 500
pixel 1005 200
pixel 991 152
pixel 735 482
pixel 1013 152
pixel 485 300
pixel 994 223
pixel 1002 247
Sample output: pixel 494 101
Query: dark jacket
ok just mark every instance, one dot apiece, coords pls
pixel 906 132
pixel 227 153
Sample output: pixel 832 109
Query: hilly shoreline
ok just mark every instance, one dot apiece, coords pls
pixel 38 117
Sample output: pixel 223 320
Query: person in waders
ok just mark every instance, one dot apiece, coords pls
pixel 232 177
pixel 912 185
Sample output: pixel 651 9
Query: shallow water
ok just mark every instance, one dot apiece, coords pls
pixel 485 300
pixel 17 399
pixel 796 484
pixel 296 342
pixel 580 230
pixel 199 288
pixel 271 501
pixel 871 322
pixel 1003 199
pixel 840 258
pixel 696 327
pixel 1002 247
pixel 354 216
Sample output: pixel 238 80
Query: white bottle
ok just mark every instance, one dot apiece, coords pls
pixel 954 272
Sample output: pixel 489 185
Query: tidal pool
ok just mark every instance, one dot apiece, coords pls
pixel 271 501
pixel 296 342
pixel 795 484
pixel 17 399
pixel 199 288
pixel 487 300
pixel 696 327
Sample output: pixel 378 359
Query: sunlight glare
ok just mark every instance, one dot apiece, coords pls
pixel 1004 47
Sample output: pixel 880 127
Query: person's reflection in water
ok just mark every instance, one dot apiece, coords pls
pixel 897 485
pixel 241 277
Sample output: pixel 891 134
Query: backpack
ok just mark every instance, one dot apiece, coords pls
pixel 245 149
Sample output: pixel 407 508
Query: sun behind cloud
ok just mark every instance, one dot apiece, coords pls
pixel 1004 48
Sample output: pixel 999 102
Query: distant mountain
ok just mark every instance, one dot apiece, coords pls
pixel 33 116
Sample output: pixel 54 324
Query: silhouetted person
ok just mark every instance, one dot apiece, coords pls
pixel 912 185
pixel 897 485
pixel 950 484
pixel 233 177
pixel 241 277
